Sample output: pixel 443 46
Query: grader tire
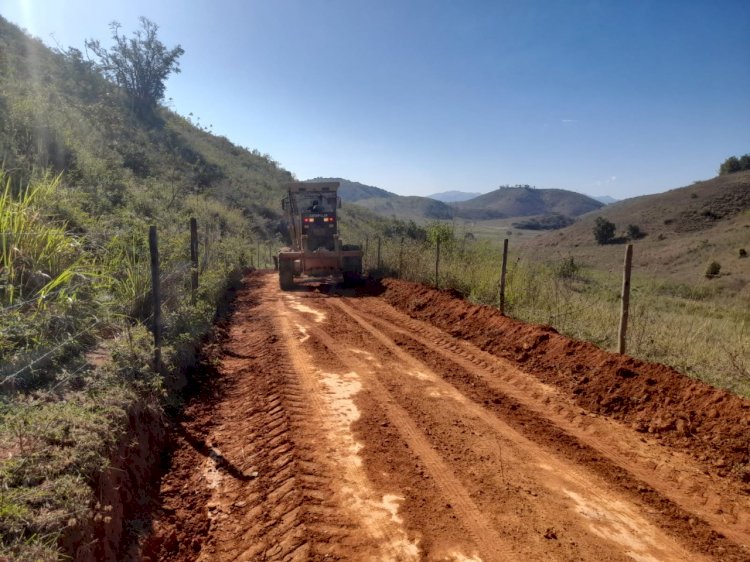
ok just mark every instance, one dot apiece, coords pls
pixel 286 275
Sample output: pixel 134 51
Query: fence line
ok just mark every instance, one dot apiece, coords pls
pixel 453 264
pixel 674 322
pixel 175 270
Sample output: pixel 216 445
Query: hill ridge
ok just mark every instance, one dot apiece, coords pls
pixel 509 202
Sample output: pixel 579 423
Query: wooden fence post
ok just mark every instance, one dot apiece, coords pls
pixel 503 269
pixel 379 263
pixel 153 245
pixel 625 299
pixel 270 253
pixel 206 256
pixel 259 262
pixel 401 259
pixel 365 261
pixel 437 264
pixel 193 259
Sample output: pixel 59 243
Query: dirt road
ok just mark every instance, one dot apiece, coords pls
pixel 341 428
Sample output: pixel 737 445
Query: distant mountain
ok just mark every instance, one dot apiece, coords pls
pixel 453 196
pixel 389 204
pixel 606 199
pixel 525 202
pixel 353 191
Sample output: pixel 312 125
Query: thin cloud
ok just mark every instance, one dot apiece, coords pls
pixel 609 180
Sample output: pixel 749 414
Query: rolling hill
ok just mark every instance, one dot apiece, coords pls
pixel 389 204
pixel 506 202
pixel 353 191
pixel 685 229
pixel 524 202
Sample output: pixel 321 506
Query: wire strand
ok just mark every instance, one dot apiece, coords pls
pixel 37 298
pixel 50 352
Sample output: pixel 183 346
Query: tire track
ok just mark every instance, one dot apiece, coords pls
pixel 377 535
pixel 490 545
pixel 248 451
pixel 531 423
pixel 687 486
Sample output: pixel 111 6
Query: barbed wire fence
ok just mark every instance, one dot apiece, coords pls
pixel 166 290
pixel 668 321
pixel 485 274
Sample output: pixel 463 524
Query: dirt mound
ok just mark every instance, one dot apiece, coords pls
pixel 710 424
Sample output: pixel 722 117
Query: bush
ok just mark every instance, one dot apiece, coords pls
pixel 635 232
pixel 713 269
pixel 604 230
pixel 566 269
pixel 743 253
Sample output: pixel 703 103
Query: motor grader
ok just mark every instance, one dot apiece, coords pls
pixel 317 251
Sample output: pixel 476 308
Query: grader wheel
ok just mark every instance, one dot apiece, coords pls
pixel 286 275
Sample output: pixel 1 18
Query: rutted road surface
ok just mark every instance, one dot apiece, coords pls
pixel 340 428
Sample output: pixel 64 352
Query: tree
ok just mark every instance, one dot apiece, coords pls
pixel 734 164
pixel 729 166
pixel 140 65
pixel 604 230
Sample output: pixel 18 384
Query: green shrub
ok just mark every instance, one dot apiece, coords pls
pixel 604 230
pixel 567 269
pixel 713 269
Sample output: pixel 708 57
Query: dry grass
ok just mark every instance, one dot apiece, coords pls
pixel 692 328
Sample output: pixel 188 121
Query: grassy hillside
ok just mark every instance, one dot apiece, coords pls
pixel 683 231
pixel 58 114
pixel 408 207
pixel 353 191
pixel 80 395
pixel 699 326
pixel 524 202
pixel 389 205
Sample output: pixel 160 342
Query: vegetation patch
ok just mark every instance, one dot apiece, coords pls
pixel 553 221
pixel 87 171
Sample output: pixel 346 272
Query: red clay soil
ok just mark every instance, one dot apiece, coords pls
pixel 710 424
pixel 406 424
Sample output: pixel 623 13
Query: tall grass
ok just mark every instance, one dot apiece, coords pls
pixel 38 258
pixel 688 327
pixel 65 292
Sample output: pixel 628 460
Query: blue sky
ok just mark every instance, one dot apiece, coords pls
pixel 620 97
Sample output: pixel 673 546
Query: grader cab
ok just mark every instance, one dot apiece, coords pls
pixel 316 251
